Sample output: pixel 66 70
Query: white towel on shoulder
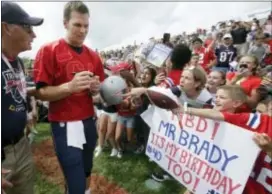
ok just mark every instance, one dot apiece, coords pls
pixel 75 134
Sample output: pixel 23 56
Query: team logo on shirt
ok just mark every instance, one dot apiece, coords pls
pixel 13 85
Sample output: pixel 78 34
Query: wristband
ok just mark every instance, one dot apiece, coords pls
pixel 185 107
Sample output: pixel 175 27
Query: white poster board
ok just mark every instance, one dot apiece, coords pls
pixel 158 55
pixel 205 156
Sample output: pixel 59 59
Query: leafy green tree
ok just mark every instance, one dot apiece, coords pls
pixel 28 62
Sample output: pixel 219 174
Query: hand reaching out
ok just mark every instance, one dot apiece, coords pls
pixel 264 142
pixel 135 92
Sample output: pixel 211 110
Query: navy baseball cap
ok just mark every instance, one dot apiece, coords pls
pixel 12 13
pixel 197 40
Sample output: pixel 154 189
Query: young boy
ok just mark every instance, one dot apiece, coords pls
pixel 228 99
pixel 194 62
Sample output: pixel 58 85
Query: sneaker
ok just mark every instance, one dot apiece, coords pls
pixel 167 177
pixel 88 191
pixel 160 177
pixel 114 152
pixel 98 152
pixel 96 149
pixel 139 150
pixel 120 154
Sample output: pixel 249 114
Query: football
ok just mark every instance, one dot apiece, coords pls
pixel 111 90
pixel 162 98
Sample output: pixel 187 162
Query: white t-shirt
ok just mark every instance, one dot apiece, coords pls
pixel 203 100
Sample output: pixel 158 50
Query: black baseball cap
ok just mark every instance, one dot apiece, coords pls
pixel 197 40
pixel 12 13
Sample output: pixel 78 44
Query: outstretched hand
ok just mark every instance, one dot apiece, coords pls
pixel 135 92
pixel 263 141
pixel 178 111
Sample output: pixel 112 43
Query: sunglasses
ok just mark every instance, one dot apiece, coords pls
pixel 243 66
pixel 28 28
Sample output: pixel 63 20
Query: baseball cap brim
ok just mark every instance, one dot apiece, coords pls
pixel 227 36
pixel 120 67
pixel 33 21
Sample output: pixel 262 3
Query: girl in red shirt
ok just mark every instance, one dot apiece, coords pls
pixel 126 114
pixel 246 77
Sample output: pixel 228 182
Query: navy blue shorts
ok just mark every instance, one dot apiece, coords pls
pixel 76 164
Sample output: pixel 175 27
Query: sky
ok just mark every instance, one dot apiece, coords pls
pixel 122 23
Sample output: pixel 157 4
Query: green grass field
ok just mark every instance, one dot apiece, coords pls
pixel 41 185
pixel 44 187
pixel 129 173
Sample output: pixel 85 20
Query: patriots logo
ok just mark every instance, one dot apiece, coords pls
pixel 14 85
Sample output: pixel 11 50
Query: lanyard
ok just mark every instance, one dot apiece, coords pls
pixel 21 75
pixel 10 67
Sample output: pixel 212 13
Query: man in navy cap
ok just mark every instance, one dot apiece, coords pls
pixel 17 36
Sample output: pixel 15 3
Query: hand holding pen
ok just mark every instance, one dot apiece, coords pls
pixel 81 81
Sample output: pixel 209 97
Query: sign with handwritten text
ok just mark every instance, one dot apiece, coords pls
pixel 204 155
pixel 158 55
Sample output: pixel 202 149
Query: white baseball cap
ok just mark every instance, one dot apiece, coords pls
pixel 227 36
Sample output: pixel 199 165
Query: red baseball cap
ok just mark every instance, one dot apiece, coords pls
pixel 119 67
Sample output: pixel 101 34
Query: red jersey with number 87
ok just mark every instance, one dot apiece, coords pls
pixel 260 180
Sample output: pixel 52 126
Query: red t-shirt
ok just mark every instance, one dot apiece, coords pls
pixel 175 76
pixel 260 181
pixel 172 79
pixel 55 64
pixel 270 45
pixel 125 110
pixel 205 56
pixel 207 43
pixel 268 58
pixel 249 84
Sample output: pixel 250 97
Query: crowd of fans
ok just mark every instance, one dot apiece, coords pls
pixel 205 66
pixel 224 74
pixel 248 38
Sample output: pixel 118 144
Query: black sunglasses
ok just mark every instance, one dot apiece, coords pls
pixel 28 28
pixel 243 66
